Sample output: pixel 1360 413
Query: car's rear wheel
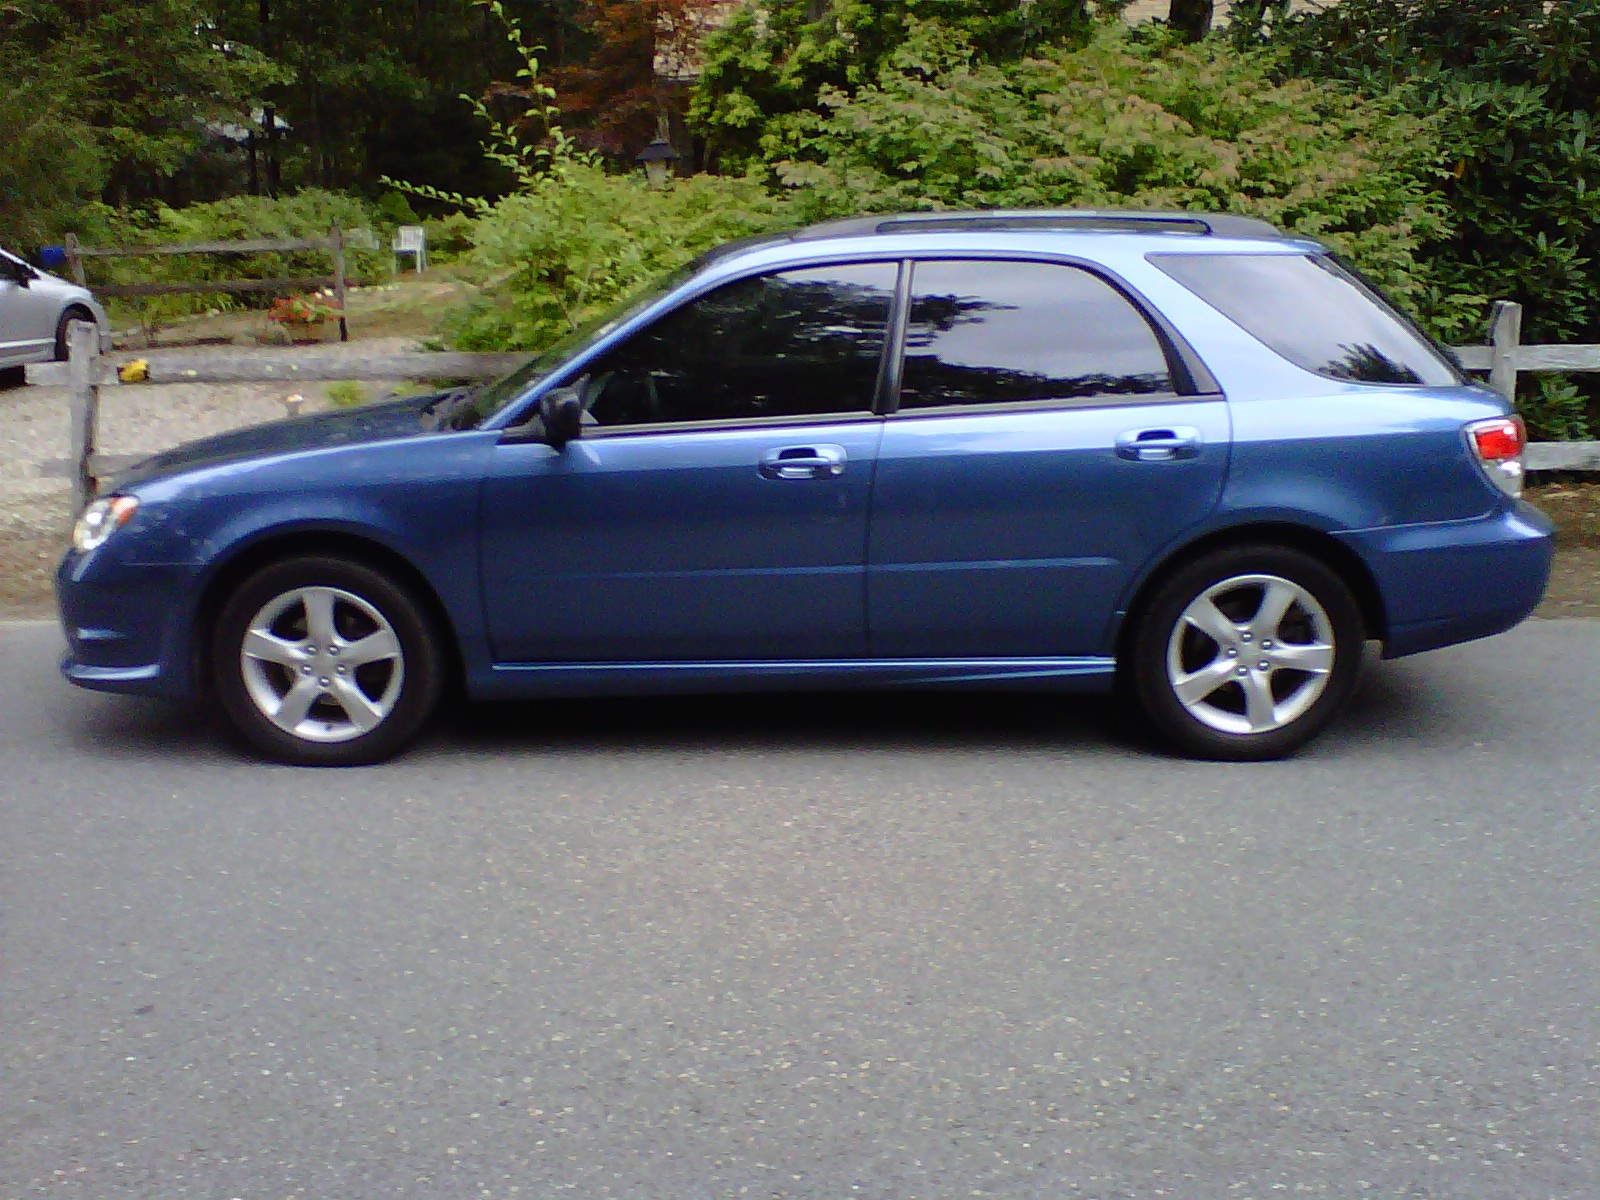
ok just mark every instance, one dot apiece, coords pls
pixel 323 662
pixel 1247 652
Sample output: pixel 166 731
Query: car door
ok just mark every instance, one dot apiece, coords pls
pixel 27 315
pixel 716 507
pixel 1038 455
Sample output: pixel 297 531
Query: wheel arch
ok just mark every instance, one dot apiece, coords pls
pixel 68 310
pixel 254 555
pixel 1330 550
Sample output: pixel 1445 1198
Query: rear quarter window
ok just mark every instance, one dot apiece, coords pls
pixel 1315 313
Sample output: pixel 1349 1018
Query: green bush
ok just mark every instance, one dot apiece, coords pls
pixel 769 62
pixel 1512 89
pixel 1132 122
pixel 575 243
pixel 449 237
pixel 346 393
pixel 1555 409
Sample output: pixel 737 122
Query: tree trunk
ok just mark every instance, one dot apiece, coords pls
pixel 1191 18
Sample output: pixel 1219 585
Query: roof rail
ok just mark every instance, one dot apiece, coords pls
pixel 1015 221
pixel 1108 220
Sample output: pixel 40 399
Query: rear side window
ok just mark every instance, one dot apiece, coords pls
pixel 1313 312
pixel 1002 332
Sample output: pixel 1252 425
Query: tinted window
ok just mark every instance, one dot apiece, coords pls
pixel 992 332
pixel 1314 313
pixel 492 397
pixel 795 343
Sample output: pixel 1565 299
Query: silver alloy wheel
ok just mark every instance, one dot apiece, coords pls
pixel 322 664
pixel 1251 654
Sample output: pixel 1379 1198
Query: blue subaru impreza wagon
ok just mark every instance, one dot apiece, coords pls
pixel 1185 456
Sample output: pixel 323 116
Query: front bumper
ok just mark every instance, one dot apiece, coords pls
pixel 1455 581
pixel 126 627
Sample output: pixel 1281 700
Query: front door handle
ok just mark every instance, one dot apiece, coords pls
pixel 1159 445
pixel 803 462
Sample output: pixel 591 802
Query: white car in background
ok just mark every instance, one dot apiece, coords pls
pixel 35 307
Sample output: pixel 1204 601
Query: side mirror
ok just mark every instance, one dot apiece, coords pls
pixel 19 273
pixel 561 411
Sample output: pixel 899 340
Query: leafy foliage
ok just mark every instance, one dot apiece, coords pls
pixel 310 214
pixel 346 393
pixel 1555 409
pixel 82 112
pixel 373 88
pixel 1512 86
pixel 305 308
pixel 49 163
pixel 777 59
pixel 572 245
pixel 528 141
pixel 615 98
pixel 1129 122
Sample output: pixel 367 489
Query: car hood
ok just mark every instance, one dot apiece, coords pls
pixel 346 427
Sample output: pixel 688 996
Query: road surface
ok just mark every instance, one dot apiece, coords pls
pixel 809 947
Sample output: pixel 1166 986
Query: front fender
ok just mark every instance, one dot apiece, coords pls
pixel 408 501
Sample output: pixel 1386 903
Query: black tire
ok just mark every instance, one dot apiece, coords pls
pixel 1242 703
pixel 71 315
pixel 349 715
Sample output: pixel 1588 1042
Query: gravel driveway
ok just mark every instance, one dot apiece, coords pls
pixel 35 450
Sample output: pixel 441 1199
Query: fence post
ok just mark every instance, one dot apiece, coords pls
pixel 1505 337
pixel 75 260
pixel 336 246
pixel 83 374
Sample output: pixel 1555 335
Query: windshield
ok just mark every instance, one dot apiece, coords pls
pixel 492 397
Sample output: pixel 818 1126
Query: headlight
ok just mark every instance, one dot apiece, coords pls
pixel 100 520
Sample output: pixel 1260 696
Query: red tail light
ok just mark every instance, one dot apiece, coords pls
pixel 1497 440
pixel 1498 443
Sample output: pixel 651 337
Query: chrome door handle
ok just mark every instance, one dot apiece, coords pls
pixel 803 462
pixel 1159 445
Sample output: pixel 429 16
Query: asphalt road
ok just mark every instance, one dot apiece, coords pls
pixel 810 947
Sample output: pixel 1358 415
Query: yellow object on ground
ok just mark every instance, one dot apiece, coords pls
pixel 136 371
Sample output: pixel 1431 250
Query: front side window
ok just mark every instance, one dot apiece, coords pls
pixel 484 402
pixel 1314 313
pixel 985 332
pixel 797 343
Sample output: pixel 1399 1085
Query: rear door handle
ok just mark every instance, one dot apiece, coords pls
pixel 1159 445
pixel 803 462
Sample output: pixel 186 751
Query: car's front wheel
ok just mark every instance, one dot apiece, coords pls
pixel 323 662
pixel 1247 652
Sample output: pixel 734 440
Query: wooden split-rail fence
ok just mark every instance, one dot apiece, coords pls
pixel 336 281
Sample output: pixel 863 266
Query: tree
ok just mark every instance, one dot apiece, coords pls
pixel 1130 122
pixel 50 162
pixel 1514 86
pixel 376 85
pixel 1190 19
pixel 774 59
pixel 146 82
pixel 615 98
